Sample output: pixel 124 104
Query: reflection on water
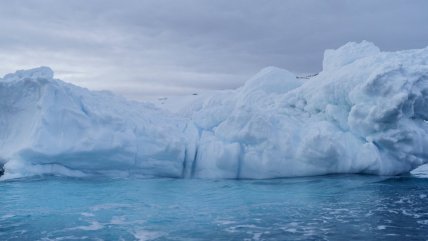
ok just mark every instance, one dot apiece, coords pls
pixel 317 208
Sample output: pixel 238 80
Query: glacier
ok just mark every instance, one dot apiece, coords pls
pixel 365 112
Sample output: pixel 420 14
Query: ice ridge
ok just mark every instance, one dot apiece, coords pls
pixel 365 112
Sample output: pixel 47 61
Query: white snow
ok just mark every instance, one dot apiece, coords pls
pixel 366 112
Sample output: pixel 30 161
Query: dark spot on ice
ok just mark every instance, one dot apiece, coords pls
pixel 1 170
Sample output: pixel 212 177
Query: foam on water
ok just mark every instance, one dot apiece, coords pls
pixel 316 208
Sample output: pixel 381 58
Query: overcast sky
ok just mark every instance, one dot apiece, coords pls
pixel 162 47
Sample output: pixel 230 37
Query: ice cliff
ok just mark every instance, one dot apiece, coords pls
pixel 366 112
pixel 51 127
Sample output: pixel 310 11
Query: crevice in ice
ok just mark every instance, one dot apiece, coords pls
pixel 1 169
pixel 184 168
pixel 83 109
pixel 194 163
pixel 238 171
pixel 377 145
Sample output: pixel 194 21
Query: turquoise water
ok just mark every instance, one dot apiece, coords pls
pixel 340 207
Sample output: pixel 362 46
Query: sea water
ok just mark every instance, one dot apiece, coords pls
pixel 338 207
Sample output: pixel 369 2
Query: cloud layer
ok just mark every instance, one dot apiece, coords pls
pixel 140 48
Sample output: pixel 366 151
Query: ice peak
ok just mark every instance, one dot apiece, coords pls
pixel 272 71
pixel 42 72
pixel 273 79
pixel 348 53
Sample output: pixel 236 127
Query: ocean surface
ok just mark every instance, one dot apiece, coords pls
pixel 337 207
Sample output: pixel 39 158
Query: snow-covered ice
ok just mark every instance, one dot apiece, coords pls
pixel 51 127
pixel 366 112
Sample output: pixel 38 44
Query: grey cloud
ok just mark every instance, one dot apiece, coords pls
pixel 181 46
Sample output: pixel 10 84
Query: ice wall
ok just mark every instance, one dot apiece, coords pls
pixel 366 112
pixel 51 127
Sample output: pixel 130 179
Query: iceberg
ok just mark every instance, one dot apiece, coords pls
pixel 52 127
pixel 365 112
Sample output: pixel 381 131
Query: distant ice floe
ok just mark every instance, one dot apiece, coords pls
pixel 366 112
pixel 421 172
